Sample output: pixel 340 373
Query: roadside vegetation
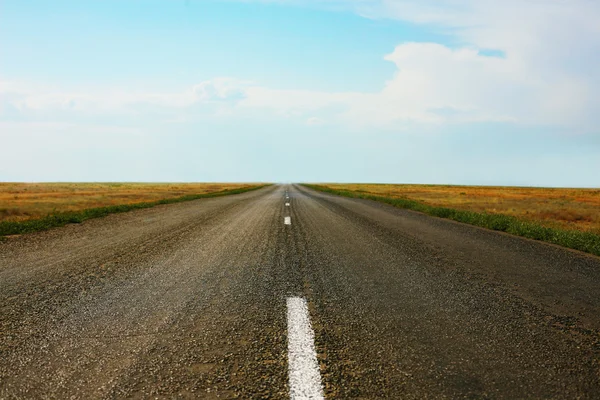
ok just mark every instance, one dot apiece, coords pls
pixel 31 207
pixel 567 217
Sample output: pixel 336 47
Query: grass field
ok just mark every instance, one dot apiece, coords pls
pixel 577 209
pixel 26 201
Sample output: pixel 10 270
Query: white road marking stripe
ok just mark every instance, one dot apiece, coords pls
pixel 287 220
pixel 304 374
pixel 287 204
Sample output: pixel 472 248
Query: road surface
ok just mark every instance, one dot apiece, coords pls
pixel 197 300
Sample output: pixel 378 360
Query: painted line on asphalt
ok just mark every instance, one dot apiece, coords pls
pixel 304 374
pixel 287 220
pixel 287 204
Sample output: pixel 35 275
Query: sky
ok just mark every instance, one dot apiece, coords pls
pixel 482 92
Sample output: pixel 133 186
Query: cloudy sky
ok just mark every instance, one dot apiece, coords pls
pixel 447 91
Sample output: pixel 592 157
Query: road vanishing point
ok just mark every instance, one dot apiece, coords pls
pixel 285 292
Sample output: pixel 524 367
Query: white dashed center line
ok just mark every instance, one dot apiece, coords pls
pixel 287 204
pixel 304 374
pixel 287 220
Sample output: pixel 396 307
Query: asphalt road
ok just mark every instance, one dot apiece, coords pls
pixel 189 301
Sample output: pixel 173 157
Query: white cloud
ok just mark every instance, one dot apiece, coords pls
pixel 314 121
pixel 549 73
pixel 437 84
pixel 26 97
pixel 220 89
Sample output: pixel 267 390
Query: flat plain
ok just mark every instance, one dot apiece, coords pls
pixel 25 201
pixel 564 208
pixel 192 300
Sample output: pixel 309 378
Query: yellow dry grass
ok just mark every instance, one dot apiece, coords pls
pixel 23 201
pixel 558 208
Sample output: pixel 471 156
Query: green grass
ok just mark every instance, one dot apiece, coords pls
pixel 584 241
pixel 74 217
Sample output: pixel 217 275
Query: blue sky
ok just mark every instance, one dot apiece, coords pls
pixel 447 91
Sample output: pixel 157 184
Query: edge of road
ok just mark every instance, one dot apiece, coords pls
pixel 55 220
pixel 586 242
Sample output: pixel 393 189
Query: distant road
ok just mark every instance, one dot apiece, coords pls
pixel 261 296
